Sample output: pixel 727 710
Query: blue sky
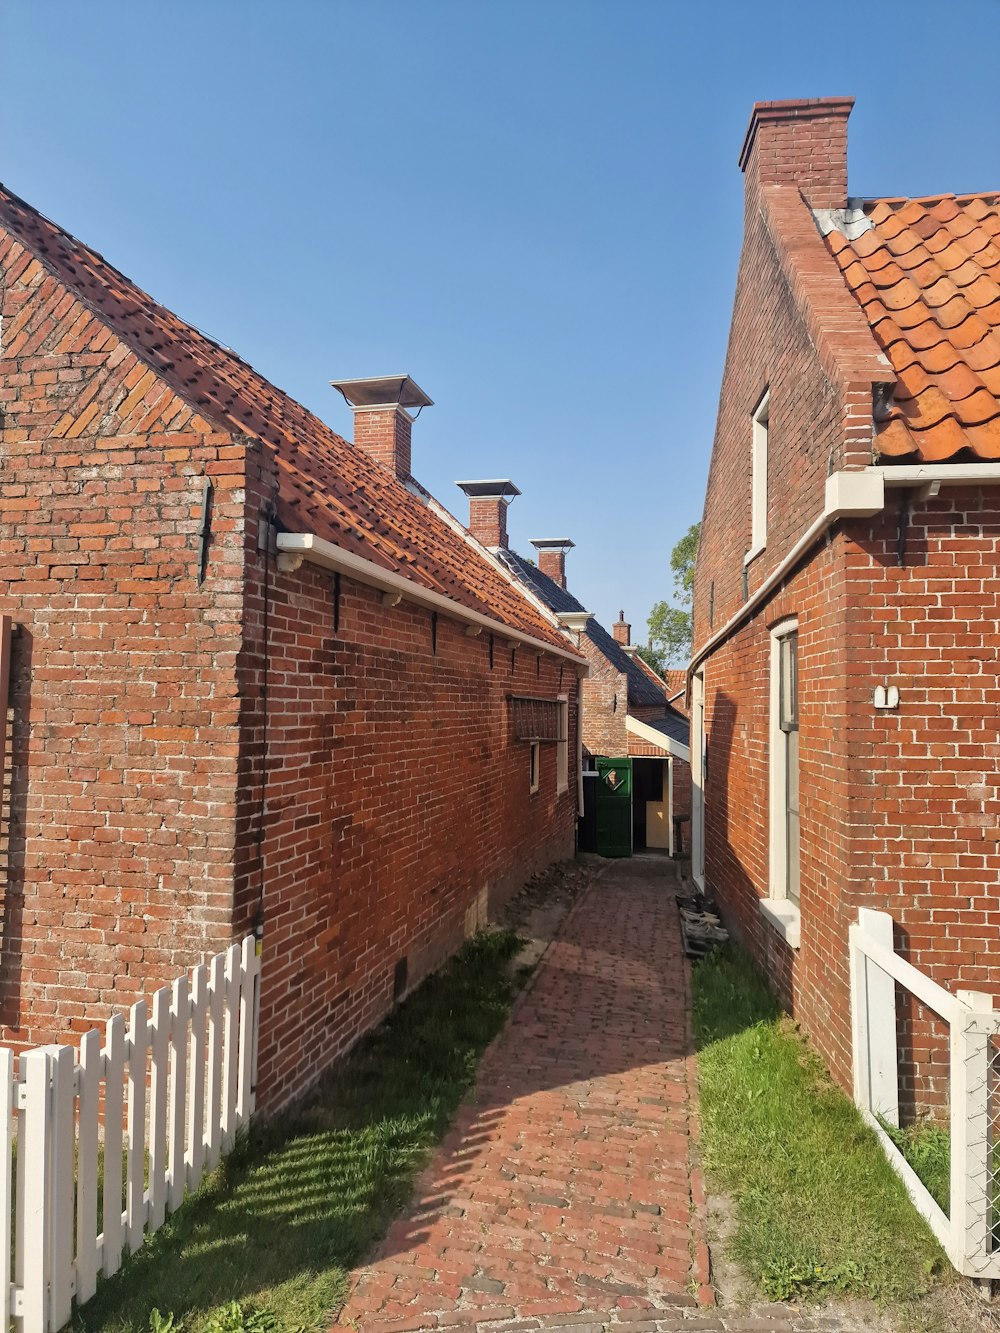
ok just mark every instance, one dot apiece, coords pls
pixel 531 206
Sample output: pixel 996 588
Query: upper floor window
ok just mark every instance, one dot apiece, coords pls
pixel 758 479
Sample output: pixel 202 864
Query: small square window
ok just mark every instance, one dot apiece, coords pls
pixel 758 478
pixel 534 764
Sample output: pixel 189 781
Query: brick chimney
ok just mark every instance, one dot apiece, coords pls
pixel 622 631
pixel 801 143
pixel 552 556
pixel 382 421
pixel 488 501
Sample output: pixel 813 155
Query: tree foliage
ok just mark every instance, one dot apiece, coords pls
pixel 670 625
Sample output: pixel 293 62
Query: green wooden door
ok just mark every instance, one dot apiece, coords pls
pixel 614 807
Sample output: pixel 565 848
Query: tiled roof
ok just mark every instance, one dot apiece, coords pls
pixel 642 693
pixel 926 273
pixel 326 486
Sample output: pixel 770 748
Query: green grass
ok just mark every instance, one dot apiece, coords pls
pixel 818 1209
pixel 927 1148
pixel 269 1240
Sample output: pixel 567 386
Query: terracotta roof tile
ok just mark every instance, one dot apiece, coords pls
pixel 927 276
pixel 326 486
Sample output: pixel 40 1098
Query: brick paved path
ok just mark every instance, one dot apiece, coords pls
pixel 565 1195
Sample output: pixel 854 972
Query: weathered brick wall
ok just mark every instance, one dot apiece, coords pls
pixel 605 705
pixel 924 787
pixel 118 819
pixel 397 806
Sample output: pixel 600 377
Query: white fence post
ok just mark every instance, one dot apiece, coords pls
pixel 879 991
pixel 62 1191
pixel 88 1155
pixel 970 1165
pixel 114 1095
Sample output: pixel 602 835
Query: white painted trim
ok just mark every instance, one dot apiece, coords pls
pixel 670 805
pixel 698 779
pixel 785 917
pixel 752 555
pixel 534 767
pixel 951 474
pixel 325 554
pixel 653 737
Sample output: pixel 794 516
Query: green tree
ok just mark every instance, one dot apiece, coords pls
pixel 670 626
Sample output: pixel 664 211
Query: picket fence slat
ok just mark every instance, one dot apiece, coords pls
pixel 213 1090
pixel 248 972
pixel 196 1076
pixel 175 1085
pixel 6 1179
pixel 33 1190
pixel 62 1187
pixel 230 1047
pixel 88 1156
pixel 135 1206
pixel 160 1034
pixel 177 1171
pixel 114 1090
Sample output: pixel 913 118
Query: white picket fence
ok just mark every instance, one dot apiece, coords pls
pixel 969 1230
pixel 170 1090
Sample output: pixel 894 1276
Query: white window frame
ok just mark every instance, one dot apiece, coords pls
pixel 781 911
pixel 534 766
pixel 698 779
pixel 562 747
pixel 758 478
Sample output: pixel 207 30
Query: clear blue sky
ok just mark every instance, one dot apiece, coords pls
pixel 532 206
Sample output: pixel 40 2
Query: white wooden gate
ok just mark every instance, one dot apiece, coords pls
pixel 970 1230
pixel 175 1084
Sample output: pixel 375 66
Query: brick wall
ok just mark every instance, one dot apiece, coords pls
pixel 398 807
pixel 605 705
pixel 118 819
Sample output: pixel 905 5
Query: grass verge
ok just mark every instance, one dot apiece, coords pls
pixel 818 1209
pixel 268 1241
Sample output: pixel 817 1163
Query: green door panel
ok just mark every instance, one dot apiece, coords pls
pixel 614 807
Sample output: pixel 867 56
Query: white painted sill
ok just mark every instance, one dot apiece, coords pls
pixel 785 917
pixel 752 555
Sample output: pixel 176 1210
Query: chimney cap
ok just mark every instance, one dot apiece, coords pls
pixel 383 391
pixel 498 489
pixel 792 108
pixel 552 543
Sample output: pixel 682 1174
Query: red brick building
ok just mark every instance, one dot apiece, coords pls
pixel 845 693
pixel 625 710
pixel 257 677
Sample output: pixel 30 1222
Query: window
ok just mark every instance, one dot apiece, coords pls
pixel 782 904
pixel 534 765
pixel 758 480
pixel 562 748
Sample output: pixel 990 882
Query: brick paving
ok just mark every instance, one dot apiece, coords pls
pixel 566 1195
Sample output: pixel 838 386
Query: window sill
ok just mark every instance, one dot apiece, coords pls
pixel 752 555
pixel 785 917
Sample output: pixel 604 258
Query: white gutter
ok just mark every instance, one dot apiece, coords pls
pixel 948 474
pixel 294 547
pixel 659 738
